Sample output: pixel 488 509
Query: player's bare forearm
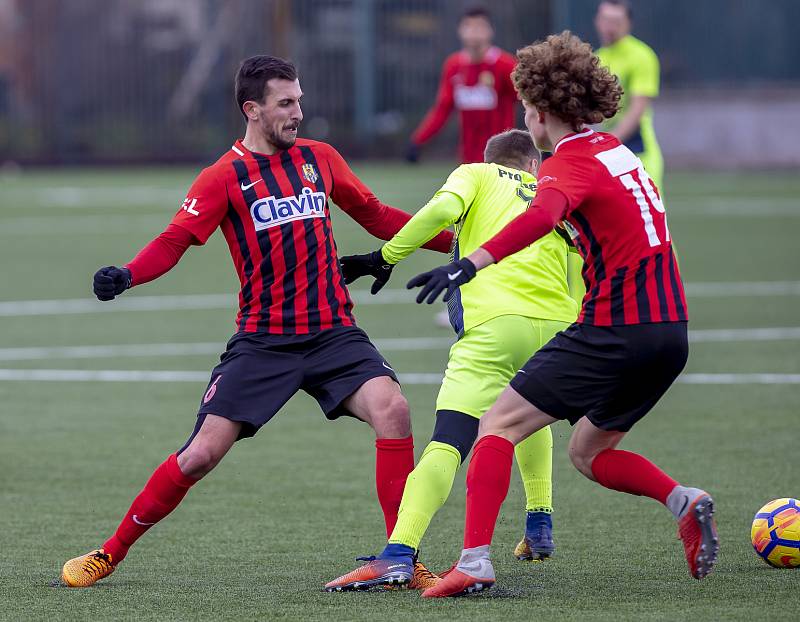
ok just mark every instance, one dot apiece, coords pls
pixel 632 118
pixel 481 258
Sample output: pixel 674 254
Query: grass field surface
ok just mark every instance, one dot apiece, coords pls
pixel 292 508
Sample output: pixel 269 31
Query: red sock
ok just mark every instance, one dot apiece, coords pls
pixel 394 460
pixel 488 477
pixel 161 494
pixel 628 472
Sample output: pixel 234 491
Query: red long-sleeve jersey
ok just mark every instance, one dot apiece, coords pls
pixel 273 211
pixel 614 214
pixel 484 95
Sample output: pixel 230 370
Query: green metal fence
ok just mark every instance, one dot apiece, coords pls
pixel 152 80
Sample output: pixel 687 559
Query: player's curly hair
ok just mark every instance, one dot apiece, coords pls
pixel 562 76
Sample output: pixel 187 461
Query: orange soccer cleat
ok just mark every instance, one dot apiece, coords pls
pixel 457 583
pixel 377 571
pixel 423 578
pixel 87 569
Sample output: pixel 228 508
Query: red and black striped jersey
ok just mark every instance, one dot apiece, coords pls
pixel 617 220
pixel 483 94
pixel 274 213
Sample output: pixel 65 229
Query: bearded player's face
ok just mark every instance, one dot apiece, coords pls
pixel 280 114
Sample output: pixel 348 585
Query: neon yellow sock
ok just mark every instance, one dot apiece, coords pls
pixel 427 488
pixel 535 461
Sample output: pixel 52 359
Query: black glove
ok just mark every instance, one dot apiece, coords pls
pixel 110 282
pixel 356 266
pixel 443 279
pixel 412 153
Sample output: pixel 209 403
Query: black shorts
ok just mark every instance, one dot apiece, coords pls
pixel 258 373
pixel 613 375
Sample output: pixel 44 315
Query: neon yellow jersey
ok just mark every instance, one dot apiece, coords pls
pixel 636 65
pixel 480 199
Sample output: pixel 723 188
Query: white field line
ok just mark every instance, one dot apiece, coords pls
pixel 724 289
pixel 115 197
pixel 73 306
pixel 120 225
pixel 748 207
pixel 186 349
pixel 115 225
pixel 130 375
pixel 134 302
pixel 739 379
pixel 411 344
pixel 65 221
pixel 389 344
pixel 788 333
pixel 110 197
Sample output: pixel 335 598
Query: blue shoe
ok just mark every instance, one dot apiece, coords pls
pixel 537 545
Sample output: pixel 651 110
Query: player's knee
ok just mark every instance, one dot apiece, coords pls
pixel 493 424
pixel 582 459
pixel 456 429
pixel 393 418
pixel 199 459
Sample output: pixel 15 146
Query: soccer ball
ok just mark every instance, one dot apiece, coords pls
pixel 776 533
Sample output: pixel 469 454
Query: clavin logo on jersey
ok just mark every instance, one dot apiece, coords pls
pixel 274 211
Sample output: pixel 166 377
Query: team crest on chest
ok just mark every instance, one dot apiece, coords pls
pixel 310 173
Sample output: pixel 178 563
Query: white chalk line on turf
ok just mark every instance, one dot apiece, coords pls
pixel 185 349
pixel 127 197
pixel 116 225
pixel 722 289
pixel 712 335
pixel 134 302
pixel 133 375
pixel 398 344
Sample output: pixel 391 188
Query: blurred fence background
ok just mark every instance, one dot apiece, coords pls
pixel 88 81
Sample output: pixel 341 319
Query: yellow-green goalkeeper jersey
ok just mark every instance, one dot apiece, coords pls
pixel 636 65
pixel 480 199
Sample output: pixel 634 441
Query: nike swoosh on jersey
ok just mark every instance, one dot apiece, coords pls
pixel 248 186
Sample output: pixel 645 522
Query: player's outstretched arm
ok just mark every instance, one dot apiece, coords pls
pixel 110 282
pixel 357 201
pixel 368 264
pixel 437 116
pixel 440 212
pixel 548 208
pixel 445 279
pixel 198 217
pixel 155 259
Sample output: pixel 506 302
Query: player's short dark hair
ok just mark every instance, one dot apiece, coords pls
pixel 625 4
pixel 513 148
pixel 476 11
pixel 255 72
